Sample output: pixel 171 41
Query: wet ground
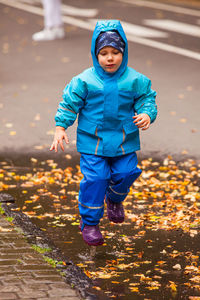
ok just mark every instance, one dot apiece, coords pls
pixel 153 255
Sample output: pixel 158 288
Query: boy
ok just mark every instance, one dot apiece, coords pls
pixel 113 102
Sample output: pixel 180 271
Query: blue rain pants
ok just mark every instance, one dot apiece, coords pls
pixel 110 176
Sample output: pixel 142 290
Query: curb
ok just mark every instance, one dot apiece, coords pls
pixel 71 273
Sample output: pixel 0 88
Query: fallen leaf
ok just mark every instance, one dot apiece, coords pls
pixel 183 120
pixel 65 59
pixel 173 113
pixel 2 229
pixel 181 96
pixel 177 267
pixel 12 133
pixel 9 125
pixel 37 117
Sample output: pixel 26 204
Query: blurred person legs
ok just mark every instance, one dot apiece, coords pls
pixel 53 26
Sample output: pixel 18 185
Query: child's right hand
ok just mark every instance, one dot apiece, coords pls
pixel 59 136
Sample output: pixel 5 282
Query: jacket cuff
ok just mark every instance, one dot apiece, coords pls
pixel 151 115
pixel 61 125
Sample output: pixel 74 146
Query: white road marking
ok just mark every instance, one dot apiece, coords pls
pixel 82 12
pixel 137 30
pixel 22 6
pixel 162 6
pixel 89 26
pixel 78 23
pixel 31 1
pixel 175 26
pixel 39 11
pixel 69 10
pixel 165 47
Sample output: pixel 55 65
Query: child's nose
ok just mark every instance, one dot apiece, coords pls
pixel 110 57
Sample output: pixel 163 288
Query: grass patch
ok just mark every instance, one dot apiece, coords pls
pixel 19 261
pixel 1 210
pixel 9 219
pixel 40 249
pixel 52 262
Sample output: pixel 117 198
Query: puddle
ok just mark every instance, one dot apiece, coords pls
pixel 153 255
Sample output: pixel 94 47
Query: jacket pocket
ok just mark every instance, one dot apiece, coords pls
pixel 131 141
pixel 87 126
pixel 130 128
pixel 87 137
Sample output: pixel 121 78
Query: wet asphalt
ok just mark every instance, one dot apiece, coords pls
pixel 33 76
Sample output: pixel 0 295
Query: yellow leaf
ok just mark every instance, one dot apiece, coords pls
pixel 152 288
pixel 124 266
pixel 105 276
pixel 134 289
pixel 97 288
pixel 75 223
pixel 173 286
pixel 33 160
pixel 126 280
pixel 13 133
pixel 183 120
pixel 161 262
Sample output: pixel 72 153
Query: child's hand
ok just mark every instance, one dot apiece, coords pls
pixel 59 136
pixel 142 121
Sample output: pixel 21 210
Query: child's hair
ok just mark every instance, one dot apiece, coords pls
pixel 109 38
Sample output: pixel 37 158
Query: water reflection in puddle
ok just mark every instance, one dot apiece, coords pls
pixel 153 255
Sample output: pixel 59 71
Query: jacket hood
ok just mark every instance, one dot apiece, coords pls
pixel 102 26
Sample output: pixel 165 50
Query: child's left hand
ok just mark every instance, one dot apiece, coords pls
pixel 142 121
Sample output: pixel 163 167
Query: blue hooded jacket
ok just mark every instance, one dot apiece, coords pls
pixel 106 103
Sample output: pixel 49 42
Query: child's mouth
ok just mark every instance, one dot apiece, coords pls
pixel 110 66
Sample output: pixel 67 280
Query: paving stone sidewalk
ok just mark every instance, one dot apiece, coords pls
pixel 23 272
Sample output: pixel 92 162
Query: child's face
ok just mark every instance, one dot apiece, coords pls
pixel 110 59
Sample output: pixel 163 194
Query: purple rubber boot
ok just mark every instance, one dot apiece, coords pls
pixel 92 235
pixel 115 211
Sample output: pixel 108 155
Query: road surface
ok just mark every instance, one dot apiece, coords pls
pixel 164 44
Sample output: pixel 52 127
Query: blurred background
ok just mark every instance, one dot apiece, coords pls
pixel 163 44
